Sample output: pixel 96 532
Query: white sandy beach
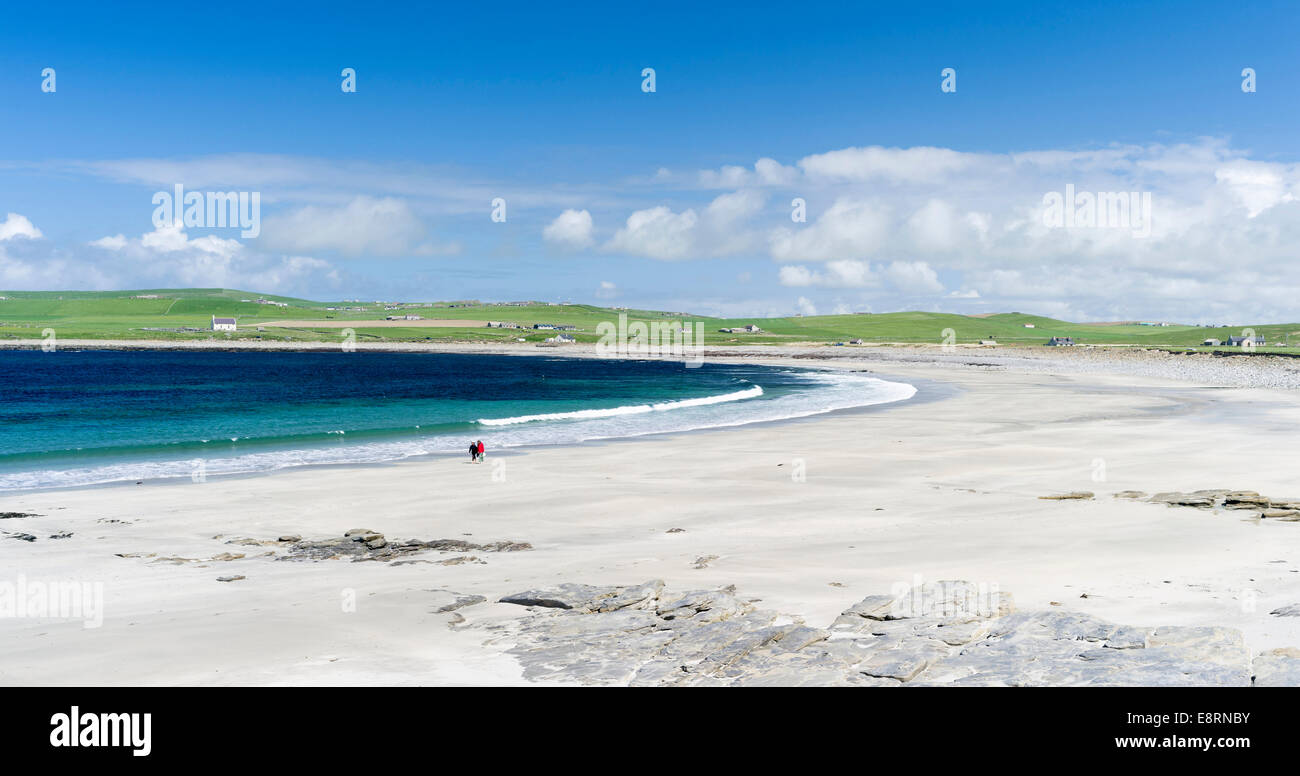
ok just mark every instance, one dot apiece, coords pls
pixel 943 489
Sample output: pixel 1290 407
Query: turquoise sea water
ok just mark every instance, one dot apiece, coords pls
pixel 76 418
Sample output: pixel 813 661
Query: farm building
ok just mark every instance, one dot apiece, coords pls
pixel 1235 342
pixel 223 324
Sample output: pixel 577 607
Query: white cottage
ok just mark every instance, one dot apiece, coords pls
pixel 223 324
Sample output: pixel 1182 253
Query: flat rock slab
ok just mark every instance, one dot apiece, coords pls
pixel 445 601
pixel 942 633
pixel 362 544
pixel 1279 668
pixel 588 598
pixel 1268 508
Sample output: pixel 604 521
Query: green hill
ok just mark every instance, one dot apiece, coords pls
pixel 186 313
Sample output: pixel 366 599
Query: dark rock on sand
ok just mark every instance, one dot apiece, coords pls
pixel 1244 499
pixel 1283 509
pixel 941 633
pixel 1285 515
pixel 446 601
pixel 1202 501
pixel 1277 668
pixel 587 598
pixel 1078 495
pixel 361 544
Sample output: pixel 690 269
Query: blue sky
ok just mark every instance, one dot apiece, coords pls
pixel 916 198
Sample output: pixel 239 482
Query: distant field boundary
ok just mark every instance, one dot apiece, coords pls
pixel 431 323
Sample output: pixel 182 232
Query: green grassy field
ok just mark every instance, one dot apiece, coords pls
pixel 126 315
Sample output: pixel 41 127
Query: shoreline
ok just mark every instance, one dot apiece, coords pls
pixel 926 390
pixel 933 391
pixel 1228 369
pixel 947 489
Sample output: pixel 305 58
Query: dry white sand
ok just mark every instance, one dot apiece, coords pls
pixel 942 489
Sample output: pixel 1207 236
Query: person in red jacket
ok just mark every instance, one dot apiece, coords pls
pixel 480 451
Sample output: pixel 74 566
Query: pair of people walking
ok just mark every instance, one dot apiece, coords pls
pixel 476 451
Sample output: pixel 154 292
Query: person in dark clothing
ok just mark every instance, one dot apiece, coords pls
pixel 473 451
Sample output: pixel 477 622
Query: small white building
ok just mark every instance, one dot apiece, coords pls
pixel 1234 342
pixel 223 324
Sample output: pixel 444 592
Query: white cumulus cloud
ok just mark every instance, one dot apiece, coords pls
pixel 16 225
pixel 365 226
pixel 572 229
pixel 114 242
pixel 836 274
pixel 914 277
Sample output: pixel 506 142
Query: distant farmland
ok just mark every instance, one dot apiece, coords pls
pixel 185 314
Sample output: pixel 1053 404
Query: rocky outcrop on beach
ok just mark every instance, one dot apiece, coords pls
pixel 940 633
pixel 1078 495
pixel 1278 668
pixel 445 601
pixel 362 544
pixel 1285 509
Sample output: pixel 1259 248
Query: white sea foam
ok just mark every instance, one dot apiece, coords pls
pixel 825 392
pixel 631 409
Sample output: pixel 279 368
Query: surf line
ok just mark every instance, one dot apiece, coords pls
pixel 634 409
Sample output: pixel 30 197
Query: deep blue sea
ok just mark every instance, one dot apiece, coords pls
pixel 77 418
